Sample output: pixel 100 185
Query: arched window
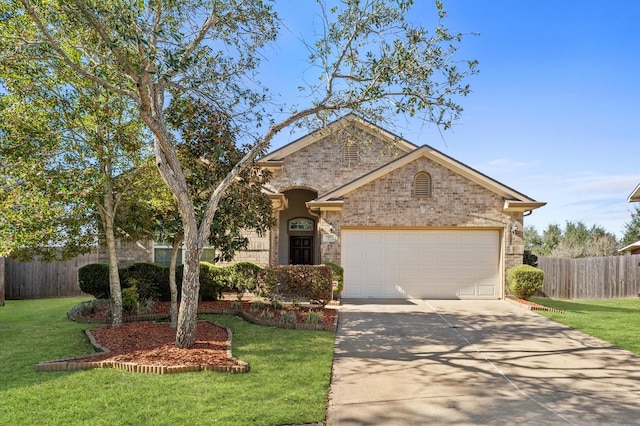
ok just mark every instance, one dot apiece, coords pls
pixel 301 224
pixel 421 185
pixel 350 153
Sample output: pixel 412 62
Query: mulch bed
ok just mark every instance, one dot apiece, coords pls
pixel 140 345
pixel 265 316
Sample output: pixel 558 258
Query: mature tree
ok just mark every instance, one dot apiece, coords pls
pixel 208 151
pixel 64 140
pixel 575 241
pixel 632 229
pixel 369 60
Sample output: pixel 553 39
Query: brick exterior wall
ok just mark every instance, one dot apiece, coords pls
pixel 257 252
pixel 386 202
pixel 129 253
pixel 455 202
pixel 320 166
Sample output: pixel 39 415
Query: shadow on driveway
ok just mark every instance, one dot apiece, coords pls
pixel 474 362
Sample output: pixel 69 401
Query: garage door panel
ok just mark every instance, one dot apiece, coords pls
pixel 423 263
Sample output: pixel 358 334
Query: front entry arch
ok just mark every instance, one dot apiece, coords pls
pixel 298 242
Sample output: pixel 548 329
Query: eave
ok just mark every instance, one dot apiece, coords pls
pixel 635 195
pixel 331 205
pixel 271 164
pixel 521 206
pixel 278 201
pixel 630 247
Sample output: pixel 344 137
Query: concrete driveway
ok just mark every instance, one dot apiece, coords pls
pixel 474 362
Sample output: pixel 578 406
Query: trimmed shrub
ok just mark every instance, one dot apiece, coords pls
pixel 151 280
pixel 94 280
pixel 243 278
pixel 337 272
pixel 295 281
pixel 212 280
pixel 530 259
pixel 268 281
pixel 525 280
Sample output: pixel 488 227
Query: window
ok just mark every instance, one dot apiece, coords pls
pixel 421 185
pixel 301 224
pixel 350 153
pixel 162 255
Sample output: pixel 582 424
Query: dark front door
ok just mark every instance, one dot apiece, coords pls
pixel 301 250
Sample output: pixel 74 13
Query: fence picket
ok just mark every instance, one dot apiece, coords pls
pixel 591 278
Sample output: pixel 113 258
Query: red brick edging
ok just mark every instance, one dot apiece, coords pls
pixel 69 364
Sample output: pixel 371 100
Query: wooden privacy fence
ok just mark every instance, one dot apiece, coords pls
pixel 591 278
pixel 32 280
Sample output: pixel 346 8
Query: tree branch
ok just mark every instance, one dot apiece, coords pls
pixel 65 58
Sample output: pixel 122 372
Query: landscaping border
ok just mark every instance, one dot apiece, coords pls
pixel 245 315
pixel 70 363
pixel 532 306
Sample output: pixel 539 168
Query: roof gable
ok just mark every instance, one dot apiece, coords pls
pixel 635 195
pixel 275 157
pixel 514 200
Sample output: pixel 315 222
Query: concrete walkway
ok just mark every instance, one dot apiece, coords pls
pixel 474 362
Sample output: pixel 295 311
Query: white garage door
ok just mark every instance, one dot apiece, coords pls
pixel 438 264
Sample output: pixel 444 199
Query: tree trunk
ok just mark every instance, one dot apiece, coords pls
pixel 177 241
pixel 107 214
pixel 188 314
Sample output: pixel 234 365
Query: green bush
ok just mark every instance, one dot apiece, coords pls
pixel 314 317
pixel 212 280
pixel 151 280
pixel 130 299
pixel 295 281
pixel 93 279
pixel 525 280
pixel 267 281
pixel 243 278
pixel 337 272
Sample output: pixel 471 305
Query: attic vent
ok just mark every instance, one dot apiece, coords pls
pixel 421 185
pixel 350 153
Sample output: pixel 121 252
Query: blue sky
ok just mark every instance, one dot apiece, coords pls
pixel 555 109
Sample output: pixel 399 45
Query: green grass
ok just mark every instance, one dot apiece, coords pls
pixel 288 382
pixel 616 321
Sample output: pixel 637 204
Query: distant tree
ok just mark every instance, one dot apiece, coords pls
pixel 632 229
pixel 577 240
pixel 532 240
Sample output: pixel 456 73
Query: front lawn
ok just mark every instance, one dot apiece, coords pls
pixel 288 382
pixel 616 321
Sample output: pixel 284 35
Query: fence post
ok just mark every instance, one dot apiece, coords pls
pixel 1 281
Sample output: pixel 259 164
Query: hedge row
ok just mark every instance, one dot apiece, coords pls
pixel 152 280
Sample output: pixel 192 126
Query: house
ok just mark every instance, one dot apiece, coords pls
pixel 633 248
pixel 635 195
pixel 402 220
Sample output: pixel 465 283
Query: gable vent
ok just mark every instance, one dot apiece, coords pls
pixel 350 153
pixel 422 185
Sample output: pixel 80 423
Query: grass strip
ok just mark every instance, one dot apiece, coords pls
pixel 616 321
pixel 288 382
